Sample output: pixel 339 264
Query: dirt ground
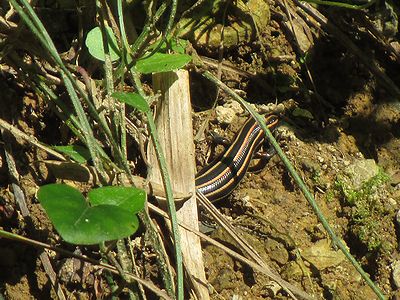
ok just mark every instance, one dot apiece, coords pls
pixel 343 137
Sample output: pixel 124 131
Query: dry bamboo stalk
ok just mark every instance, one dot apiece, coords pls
pixel 174 125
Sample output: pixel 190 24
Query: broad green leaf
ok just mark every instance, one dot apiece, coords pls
pixel 80 223
pixel 179 45
pixel 78 153
pixel 132 99
pixel 94 43
pixel 160 62
pixel 128 198
pixel 304 113
pixel 176 45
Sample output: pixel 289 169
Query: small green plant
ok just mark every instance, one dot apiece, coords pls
pixel 108 214
pixel 101 218
pixel 155 63
pixel 367 211
pixel 78 153
pixel 365 191
pixel 94 43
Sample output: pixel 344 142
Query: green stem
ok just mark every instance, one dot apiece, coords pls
pixel 168 189
pixel 37 28
pixel 342 4
pixel 137 47
pixel 124 52
pixel 35 25
pixel 170 204
pixel 300 183
pixel 167 29
pixel 117 115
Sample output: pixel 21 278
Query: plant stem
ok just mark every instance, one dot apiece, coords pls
pixel 170 203
pixel 342 4
pixel 168 189
pixel 167 29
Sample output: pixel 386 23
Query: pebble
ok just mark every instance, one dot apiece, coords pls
pixel 359 155
pixel 322 256
pixel 225 115
pixel 277 252
pixel 235 106
pixel 271 108
pixel 273 288
pixel 396 273
pixel 331 148
pixel 359 172
pixel 295 271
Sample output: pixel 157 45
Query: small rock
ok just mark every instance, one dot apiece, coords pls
pixel 235 106
pixel 225 115
pixel 396 295
pixel 260 12
pixel 396 273
pixel 273 288
pixel 277 252
pixel 310 165
pixel 271 108
pixel 225 279
pixel 346 163
pixel 294 271
pixel 359 155
pixel 255 107
pixel 392 202
pixel 395 178
pixel 321 255
pixel 359 172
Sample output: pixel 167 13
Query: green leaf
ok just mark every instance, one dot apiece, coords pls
pixel 80 223
pixel 160 62
pixel 303 113
pixel 133 99
pixel 128 198
pixel 179 45
pixel 176 45
pixel 78 153
pixel 94 43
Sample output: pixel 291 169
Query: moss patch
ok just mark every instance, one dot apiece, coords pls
pixel 368 211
